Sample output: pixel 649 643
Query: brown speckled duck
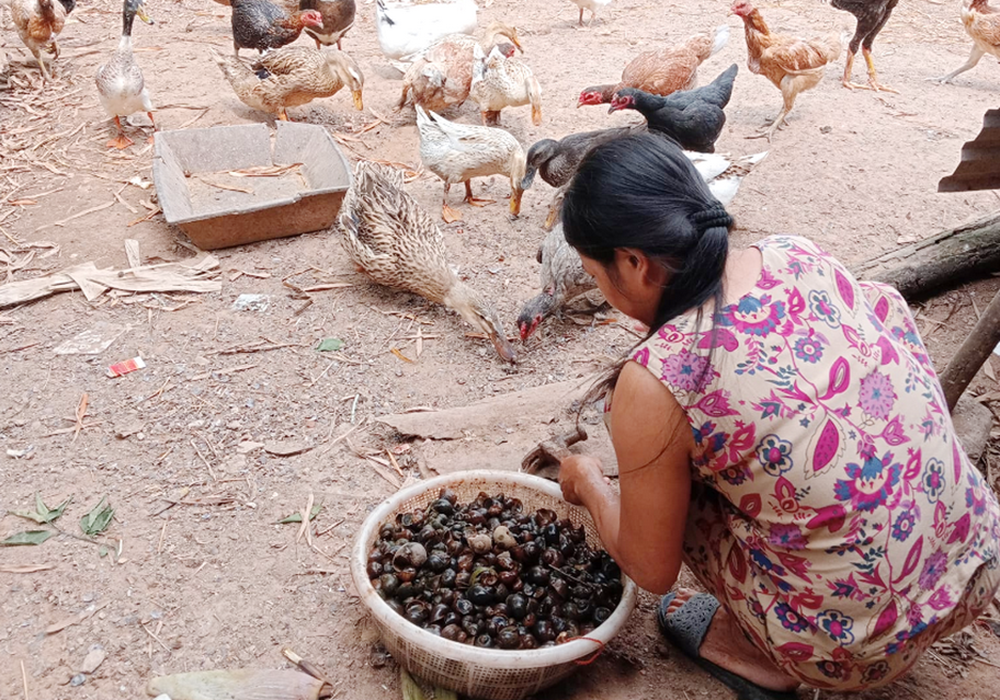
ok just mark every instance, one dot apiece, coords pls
pixel 292 76
pixel 397 244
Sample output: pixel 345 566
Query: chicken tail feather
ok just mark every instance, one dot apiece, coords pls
pixel 721 39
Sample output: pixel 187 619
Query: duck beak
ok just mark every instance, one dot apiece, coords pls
pixel 551 219
pixel 516 43
pixel 358 101
pixel 515 201
pixel 536 115
pixel 141 14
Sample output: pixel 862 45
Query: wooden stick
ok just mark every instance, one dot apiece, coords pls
pixel 24 679
pixel 973 353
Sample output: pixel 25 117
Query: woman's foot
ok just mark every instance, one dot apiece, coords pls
pixel 726 646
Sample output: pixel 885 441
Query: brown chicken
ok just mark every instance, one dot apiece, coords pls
pixel 441 76
pixel 792 64
pixel 38 24
pixel 662 72
pixel 982 23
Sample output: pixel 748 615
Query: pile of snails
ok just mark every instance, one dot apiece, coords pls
pixel 489 574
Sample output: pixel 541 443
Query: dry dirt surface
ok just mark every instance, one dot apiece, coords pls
pixel 236 419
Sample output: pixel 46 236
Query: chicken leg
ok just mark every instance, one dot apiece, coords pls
pixel 791 86
pixel 873 83
pixel 974 56
pixel 121 141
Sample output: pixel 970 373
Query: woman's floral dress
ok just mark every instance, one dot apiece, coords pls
pixel 834 511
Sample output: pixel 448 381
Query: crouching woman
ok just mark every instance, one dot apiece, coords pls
pixel 782 432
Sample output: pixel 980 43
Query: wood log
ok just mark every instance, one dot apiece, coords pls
pixel 974 351
pixel 952 257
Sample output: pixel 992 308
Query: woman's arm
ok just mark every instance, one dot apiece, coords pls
pixel 643 529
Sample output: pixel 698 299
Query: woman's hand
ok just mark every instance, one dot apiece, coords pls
pixel 578 475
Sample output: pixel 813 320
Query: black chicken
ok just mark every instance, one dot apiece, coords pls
pixel 872 16
pixel 692 118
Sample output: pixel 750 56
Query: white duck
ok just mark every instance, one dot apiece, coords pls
pixel 406 27
pixel 591 5
pixel 456 153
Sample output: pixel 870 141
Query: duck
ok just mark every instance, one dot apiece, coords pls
pixel 262 25
pixel 120 85
pixel 38 24
pixel 557 161
pixel 562 275
pixel 397 244
pixel 406 27
pixel 459 152
pixel 440 76
pixel 498 82
pixel 292 76
pixel 338 18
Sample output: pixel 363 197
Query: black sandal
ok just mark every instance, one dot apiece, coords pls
pixel 685 628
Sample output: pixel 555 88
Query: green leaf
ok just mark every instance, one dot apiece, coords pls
pixel 27 537
pixel 411 691
pixel 97 520
pixel 330 344
pixel 297 517
pixel 42 513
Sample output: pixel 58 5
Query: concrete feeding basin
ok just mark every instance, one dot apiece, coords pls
pixel 229 185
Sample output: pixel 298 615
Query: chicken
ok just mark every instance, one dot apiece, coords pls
pixel 292 76
pixel 662 72
pixel 692 118
pixel 120 85
pixel 396 243
pixel 262 25
pixel 562 275
pixel 872 16
pixel 459 152
pixel 591 5
pixel 793 65
pixel 563 279
pixel 338 18
pixel 557 161
pixel 982 23
pixel 499 82
pixel 38 23
pixel 440 76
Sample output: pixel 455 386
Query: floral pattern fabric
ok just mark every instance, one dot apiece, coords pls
pixel 836 514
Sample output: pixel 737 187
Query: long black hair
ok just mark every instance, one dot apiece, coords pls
pixel 642 192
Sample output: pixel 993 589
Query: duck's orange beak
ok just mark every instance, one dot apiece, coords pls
pixel 359 103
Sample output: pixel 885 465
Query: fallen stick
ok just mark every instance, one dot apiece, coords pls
pixel 972 354
pixel 85 212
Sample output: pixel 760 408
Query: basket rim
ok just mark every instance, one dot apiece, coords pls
pixel 491 658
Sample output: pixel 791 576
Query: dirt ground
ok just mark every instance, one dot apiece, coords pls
pixel 188 450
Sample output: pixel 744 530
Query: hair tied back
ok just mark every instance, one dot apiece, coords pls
pixel 714 216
